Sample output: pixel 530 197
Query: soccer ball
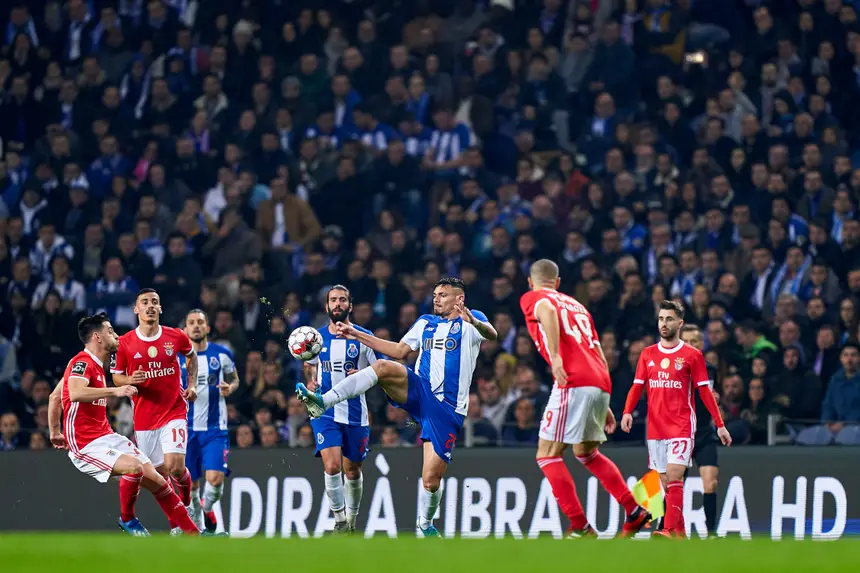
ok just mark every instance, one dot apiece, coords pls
pixel 305 343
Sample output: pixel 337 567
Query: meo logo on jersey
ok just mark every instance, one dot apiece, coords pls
pixel 352 350
pixel 449 344
pixel 168 348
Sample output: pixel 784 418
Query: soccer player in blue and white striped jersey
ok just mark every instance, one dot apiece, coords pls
pixel 343 431
pixel 208 442
pixel 435 392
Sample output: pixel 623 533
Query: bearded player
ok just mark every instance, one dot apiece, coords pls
pixel 342 431
pixel 435 393
pixel 148 358
pixel 671 368
pixel 208 443
pixel 577 413
pixel 94 448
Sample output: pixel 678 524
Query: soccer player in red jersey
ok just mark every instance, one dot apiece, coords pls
pixel 94 448
pixel 670 369
pixel 148 358
pixel 578 409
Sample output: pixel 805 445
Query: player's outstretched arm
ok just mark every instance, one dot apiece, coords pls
pixel 80 391
pixel 55 413
pixel 396 350
pixel 485 329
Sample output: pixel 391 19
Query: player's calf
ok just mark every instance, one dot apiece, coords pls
pixel 674 520
pixel 167 500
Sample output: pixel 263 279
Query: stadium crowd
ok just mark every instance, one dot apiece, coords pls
pixel 242 155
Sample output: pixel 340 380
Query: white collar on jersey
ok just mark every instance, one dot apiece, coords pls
pixel 665 350
pixel 148 338
pixel 96 358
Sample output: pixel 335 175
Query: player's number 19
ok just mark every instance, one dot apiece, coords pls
pixel 581 326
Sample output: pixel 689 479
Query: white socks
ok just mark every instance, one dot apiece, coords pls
pixel 354 489
pixel 334 490
pixel 195 500
pixel 350 387
pixel 429 505
pixel 211 494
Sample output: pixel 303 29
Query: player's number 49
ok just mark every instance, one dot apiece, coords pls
pixel 581 327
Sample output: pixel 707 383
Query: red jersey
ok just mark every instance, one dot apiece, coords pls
pixel 668 376
pixel 84 421
pixel 578 340
pixel 158 400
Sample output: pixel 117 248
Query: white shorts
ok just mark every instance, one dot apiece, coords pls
pixel 678 451
pixel 171 438
pixel 575 415
pixel 98 458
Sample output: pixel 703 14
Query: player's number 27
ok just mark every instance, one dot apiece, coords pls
pixel 580 327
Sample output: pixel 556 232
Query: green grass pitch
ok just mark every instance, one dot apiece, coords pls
pixel 108 553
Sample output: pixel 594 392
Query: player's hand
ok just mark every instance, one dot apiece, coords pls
pixel 58 440
pixel 725 436
pixel 626 423
pixel 345 330
pixel 558 372
pixel 610 425
pixel 225 389
pixel 463 312
pixel 351 371
pixel 190 394
pixel 139 377
pixel 125 391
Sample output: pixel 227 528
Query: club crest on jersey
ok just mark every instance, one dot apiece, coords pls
pixel 679 363
pixel 664 363
pixel 213 363
pixel 320 438
pixel 456 328
pixel 152 352
pixel 352 350
pixel 168 348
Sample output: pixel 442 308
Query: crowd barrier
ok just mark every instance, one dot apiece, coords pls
pixel 787 492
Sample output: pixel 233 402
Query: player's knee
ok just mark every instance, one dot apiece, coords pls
pixel 332 467
pixel 176 470
pixel 215 479
pixel 432 482
pixel 352 474
pixel 135 467
pixel 385 368
pixel 709 485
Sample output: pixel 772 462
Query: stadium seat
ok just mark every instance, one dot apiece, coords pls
pixel 849 436
pixel 814 436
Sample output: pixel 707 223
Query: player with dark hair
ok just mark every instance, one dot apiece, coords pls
pixel 148 358
pixel 94 448
pixel 671 369
pixel 208 442
pixel 342 432
pixel 577 413
pixel 705 452
pixel 435 393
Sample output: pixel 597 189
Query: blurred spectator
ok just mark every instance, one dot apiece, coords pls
pixel 842 399
pixel 11 437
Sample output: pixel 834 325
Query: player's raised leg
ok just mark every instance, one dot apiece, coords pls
pixel 391 376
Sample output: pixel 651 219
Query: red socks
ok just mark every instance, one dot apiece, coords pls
pixel 129 487
pixel 183 487
pixel 610 478
pixel 564 490
pixel 175 510
pixel 674 521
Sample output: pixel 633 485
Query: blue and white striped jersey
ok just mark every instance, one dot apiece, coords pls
pixel 209 411
pixel 448 352
pixel 338 357
pixel 449 145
